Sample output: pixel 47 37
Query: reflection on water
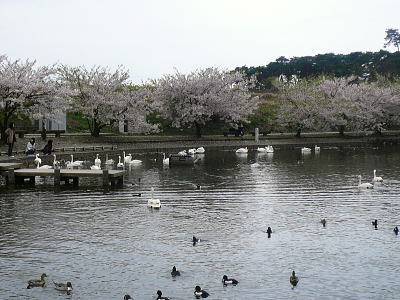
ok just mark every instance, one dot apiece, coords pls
pixel 108 243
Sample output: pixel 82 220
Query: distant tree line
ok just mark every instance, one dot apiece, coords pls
pixel 361 64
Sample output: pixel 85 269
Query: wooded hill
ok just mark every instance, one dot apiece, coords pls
pixel 362 64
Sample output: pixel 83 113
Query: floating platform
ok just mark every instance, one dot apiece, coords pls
pixel 18 176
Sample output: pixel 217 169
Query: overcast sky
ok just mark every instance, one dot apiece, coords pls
pixel 152 37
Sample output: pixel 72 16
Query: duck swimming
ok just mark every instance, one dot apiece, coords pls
pixel 37 282
pixel 127 297
pixel 199 293
pixel 175 272
pixel 375 223
pixel 323 222
pixel 226 280
pixel 269 231
pixel 159 296
pixel 396 230
pixel 294 279
pixel 64 287
pixel 195 240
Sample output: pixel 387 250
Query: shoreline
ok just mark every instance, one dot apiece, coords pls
pixel 179 143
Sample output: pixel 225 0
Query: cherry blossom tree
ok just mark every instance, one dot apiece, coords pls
pixel 27 89
pixel 196 98
pixel 300 105
pixel 104 98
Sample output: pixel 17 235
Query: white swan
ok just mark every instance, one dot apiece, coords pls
pixel 200 150
pixel 37 159
pixel 109 161
pixel 242 150
pixel 127 158
pixel 165 160
pixel 377 178
pixel 56 163
pixel 97 161
pixel 134 162
pixel 317 148
pixel 305 150
pixel 365 185
pixel 192 151
pixel 120 164
pixel 95 167
pixel 269 149
pixel 43 167
pixel 182 153
pixel 72 163
pixel 261 149
pixel 153 203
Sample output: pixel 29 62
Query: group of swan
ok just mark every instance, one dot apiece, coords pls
pixel 192 151
pixel 308 150
pixel 38 162
pixel 367 185
pixel 268 149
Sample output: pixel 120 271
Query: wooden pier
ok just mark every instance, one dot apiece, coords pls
pixel 15 175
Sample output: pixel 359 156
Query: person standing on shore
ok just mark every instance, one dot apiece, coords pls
pixel 10 138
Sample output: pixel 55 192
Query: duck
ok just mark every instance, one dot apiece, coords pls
pixel 165 160
pixel 269 231
pixel 120 164
pixel 160 297
pixel 226 280
pixel 175 272
pixel 375 223
pixel 200 150
pixel 153 203
pixel 127 159
pixel 294 279
pixel 323 222
pixel 128 297
pixel 37 160
pixel 242 150
pixel 396 230
pixel 305 150
pixel 377 178
pixel 199 293
pixel 37 282
pixel 97 161
pixel 64 287
pixel 317 148
pixel 109 161
pixel 195 240
pixel 365 185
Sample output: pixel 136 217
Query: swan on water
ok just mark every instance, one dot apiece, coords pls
pixel 192 151
pixel 317 148
pixel 305 150
pixel 153 203
pixel 377 178
pixel 242 150
pixel 109 161
pixel 200 150
pixel 182 153
pixel 365 185
pixel 165 160
pixel 127 159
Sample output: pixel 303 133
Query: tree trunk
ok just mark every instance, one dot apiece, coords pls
pixel 198 129
pixel 96 130
pixel 341 130
pixel 298 133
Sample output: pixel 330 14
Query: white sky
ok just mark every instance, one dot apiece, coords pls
pixel 152 37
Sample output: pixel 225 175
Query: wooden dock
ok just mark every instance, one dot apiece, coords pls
pixel 18 176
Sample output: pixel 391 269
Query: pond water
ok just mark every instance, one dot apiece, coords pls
pixel 108 243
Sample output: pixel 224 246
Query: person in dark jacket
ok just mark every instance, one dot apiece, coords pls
pixel 48 149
